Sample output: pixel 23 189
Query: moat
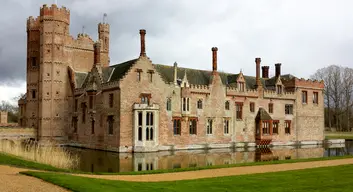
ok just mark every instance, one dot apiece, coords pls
pixel 102 161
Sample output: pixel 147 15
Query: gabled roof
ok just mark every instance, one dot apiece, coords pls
pixel 120 70
pixel 80 78
pixel 263 115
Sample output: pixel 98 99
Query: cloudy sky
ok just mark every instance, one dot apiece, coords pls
pixel 302 35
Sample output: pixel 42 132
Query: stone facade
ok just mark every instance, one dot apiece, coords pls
pixel 140 106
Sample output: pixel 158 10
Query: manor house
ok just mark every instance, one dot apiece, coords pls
pixel 76 96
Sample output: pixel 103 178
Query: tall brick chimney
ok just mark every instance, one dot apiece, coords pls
pixel 278 69
pixel 97 53
pixel 214 59
pixel 265 71
pixel 258 62
pixel 143 46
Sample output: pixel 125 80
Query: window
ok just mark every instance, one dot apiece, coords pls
pixel 304 97
pixel 84 106
pixel 34 61
pixel 193 126
pixel 76 105
pixel 287 124
pixel 111 100
pixel 74 124
pixel 199 104
pixel 279 89
pixel 239 110
pixel 265 127
pixel 169 104
pixel 110 124
pixel 226 105
pixel 241 86
pixel 315 97
pixel 275 127
pixel 138 76
pixel 33 93
pixel 149 166
pixel 270 107
pixel 288 109
pixel 177 126
pixel 92 126
pixel 209 126
pixel 91 102
pixel 252 107
pixel 145 98
pixel 139 126
pixel 150 75
pixel 226 126
pixel 149 126
pixel 185 103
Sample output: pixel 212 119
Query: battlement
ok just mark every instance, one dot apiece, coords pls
pixel 309 83
pixel 103 27
pixel 55 13
pixel 33 24
pixel 233 91
pixel 273 94
pixel 204 87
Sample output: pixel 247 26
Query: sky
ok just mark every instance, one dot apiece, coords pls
pixel 302 35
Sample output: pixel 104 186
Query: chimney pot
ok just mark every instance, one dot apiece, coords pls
pixel 97 50
pixel 214 58
pixel 142 38
pixel 265 70
pixel 258 62
pixel 278 69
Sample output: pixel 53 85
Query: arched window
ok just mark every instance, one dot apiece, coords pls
pixel 226 105
pixel 147 134
pixel 169 104
pixel 199 104
pixel 151 133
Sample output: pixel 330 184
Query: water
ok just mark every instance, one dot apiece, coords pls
pixel 102 161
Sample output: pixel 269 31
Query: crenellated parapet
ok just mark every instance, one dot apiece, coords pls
pixel 233 91
pixel 33 24
pixel 83 42
pixel 307 83
pixel 54 13
pixel 274 94
pixel 199 89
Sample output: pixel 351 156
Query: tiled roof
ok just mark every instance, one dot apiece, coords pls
pixel 120 70
pixel 263 115
pixel 80 78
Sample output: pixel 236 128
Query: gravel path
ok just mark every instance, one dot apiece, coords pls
pixel 12 181
pixel 222 172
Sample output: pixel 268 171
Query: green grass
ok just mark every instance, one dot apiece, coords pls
pixel 339 135
pixel 6 159
pixel 338 178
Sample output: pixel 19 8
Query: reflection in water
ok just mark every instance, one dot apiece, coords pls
pixel 102 161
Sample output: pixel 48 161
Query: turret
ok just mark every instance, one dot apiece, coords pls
pixel 103 35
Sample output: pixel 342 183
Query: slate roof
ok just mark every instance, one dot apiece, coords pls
pixel 195 76
pixel 263 115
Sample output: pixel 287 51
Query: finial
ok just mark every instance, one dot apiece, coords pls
pixel 104 17
pixel 83 29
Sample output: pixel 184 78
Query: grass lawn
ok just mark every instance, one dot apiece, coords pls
pixel 339 135
pixel 6 159
pixel 338 178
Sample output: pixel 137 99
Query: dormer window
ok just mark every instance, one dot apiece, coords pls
pixel 279 89
pixel 241 86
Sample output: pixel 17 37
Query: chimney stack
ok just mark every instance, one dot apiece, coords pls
pixel 265 71
pixel 176 73
pixel 97 53
pixel 278 69
pixel 143 46
pixel 258 62
pixel 214 58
